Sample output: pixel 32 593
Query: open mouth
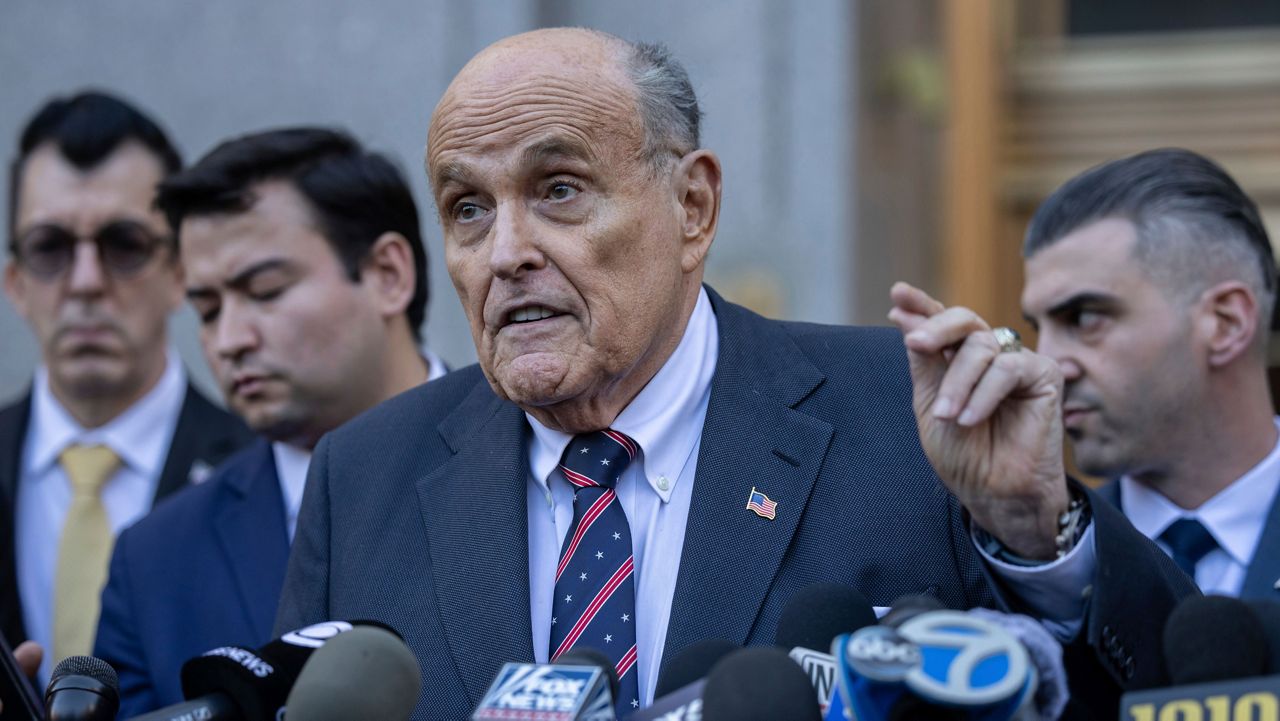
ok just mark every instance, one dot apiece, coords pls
pixel 531 314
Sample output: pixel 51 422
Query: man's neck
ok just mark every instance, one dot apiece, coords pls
pixel 1240 435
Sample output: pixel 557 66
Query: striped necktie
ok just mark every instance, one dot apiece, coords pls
pixel 595 591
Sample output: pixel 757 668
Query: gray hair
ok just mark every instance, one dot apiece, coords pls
pixel 668 104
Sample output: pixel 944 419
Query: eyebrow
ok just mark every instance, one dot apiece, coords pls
pixel 554 149
pixel 1074 303
pixel 242 279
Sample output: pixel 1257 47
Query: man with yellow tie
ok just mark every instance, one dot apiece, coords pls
pixel 110 423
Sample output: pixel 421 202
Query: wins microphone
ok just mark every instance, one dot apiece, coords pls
pixel 231 683
pixel 750 684
pixel 1216 651
pixel 810 621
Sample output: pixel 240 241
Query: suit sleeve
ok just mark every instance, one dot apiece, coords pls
pixel 1134 588
pixel 305 598
pixel 119 642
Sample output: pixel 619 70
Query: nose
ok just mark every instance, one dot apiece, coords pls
pixel 235 333
pixel 1051 346
pixel 514 245
pixel 87 276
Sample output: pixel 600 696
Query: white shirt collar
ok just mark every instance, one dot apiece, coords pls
pixel 291 466
pixel 1234 517
pixel 655 417
pixel 435 366
pixel 132 434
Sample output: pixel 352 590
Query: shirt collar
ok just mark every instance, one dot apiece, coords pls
pixel 1234 517
pixel 291 467
pixel 132 435
pixel 659 419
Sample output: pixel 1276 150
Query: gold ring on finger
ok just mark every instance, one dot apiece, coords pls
pixel 1008 338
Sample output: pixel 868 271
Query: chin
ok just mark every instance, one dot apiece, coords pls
pixel 533 380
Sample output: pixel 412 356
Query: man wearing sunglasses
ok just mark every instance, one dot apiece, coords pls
pixel 110 423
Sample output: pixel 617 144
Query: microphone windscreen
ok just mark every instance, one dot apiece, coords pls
pixel 816 614
pixel 914 708
pixel 759 684
pixel 587 656
pixel 1213 638
pixel 365 673
pixel 692 664
pixel 94 668
pixel 1268 614
pixel 908 607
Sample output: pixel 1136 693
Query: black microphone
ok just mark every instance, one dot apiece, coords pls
pixel 231 683
pixel 692 665
pixel 587 656
pixel 1268 614
pixel 1213 638
pixel 1216 650
pixel 810 621
pixel 82 688
pixel 759 684
pixel 365 673
pixel 908 607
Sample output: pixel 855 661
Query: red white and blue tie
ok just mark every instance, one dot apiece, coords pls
pixel 595 601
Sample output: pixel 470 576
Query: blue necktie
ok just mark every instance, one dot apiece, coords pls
pixel 1189 542
pixel 595 601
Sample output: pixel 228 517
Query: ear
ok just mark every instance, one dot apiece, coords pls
pixel 697 184
pixel 388 273
pixel 15 287
pixel 1228 321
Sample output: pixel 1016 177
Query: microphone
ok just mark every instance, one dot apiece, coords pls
pixel 366 672
pixel 231 683
pixel 812 618
pixel 747 685
pixel 1268 614
pixel 936 665
pixel 577 687
pixel 1216 651
pixel 692 664
pixel 82 688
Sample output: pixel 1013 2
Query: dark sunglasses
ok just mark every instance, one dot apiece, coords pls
pixel 124 248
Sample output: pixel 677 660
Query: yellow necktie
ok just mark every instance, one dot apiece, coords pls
pixel 83 552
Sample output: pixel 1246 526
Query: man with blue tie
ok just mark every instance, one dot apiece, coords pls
pixel 486 516
pixel 304 261
pixel 1152 282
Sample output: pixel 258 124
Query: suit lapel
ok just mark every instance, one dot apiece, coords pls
pixel 753 437
pixel 13 432
pixel 203 434
pixel 250 526
pixel 1264 570
pixel 481 573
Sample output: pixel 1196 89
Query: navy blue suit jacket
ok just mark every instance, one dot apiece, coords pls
pixel 415 515
pixel 202 570
pixel 1262 579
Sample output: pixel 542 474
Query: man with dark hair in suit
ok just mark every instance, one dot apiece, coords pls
pixel 110 424
pixel 1152 282
pixel 304 261
pixel 637 464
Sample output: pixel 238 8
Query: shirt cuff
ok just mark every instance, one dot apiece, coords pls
pixel 1055 592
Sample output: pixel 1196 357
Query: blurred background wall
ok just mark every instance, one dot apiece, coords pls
pixel 863 141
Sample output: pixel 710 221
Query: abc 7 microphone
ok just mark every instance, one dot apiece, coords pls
pixel 231 682
pixel 937 665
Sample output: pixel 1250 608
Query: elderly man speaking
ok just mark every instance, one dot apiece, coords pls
pixel 637 464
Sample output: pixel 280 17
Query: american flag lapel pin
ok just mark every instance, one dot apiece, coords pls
pixel 760 504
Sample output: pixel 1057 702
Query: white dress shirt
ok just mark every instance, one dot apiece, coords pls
pixel 292 462
pixel 665 419
pixel 1235 517
pixel 140 437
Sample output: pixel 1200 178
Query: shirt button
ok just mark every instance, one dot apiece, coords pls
pixel 663 483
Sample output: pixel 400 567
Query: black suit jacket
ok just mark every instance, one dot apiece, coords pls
pixel 205 434
pixel 415 515
pixel 1262 580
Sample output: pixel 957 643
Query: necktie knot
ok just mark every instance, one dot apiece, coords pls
pixel 88 467
pixel 597 459
pixel 1189 541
